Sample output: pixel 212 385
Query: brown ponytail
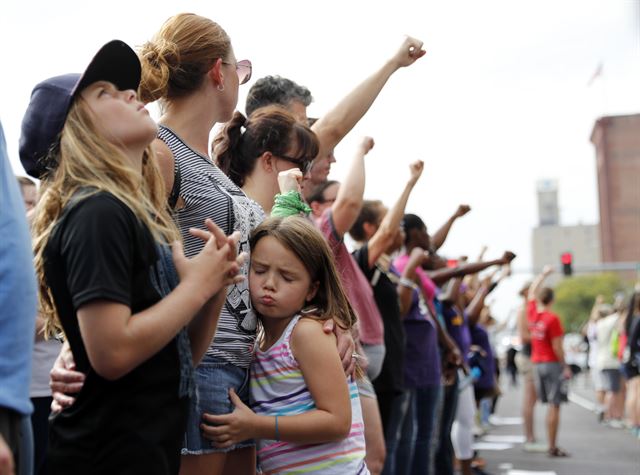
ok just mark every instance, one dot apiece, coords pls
pixel 269 129
pixel 227 152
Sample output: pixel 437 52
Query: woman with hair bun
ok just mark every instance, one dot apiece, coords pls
pixel 190 67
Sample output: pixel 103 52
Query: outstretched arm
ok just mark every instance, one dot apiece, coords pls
pixel 408 281
pixel 442 275
pixel 538 281
pixel 437 240
pixel 346 207
pixel 335 124
pixel 390 224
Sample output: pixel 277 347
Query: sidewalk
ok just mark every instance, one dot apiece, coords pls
pixel 594 448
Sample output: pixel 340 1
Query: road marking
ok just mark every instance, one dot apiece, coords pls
pixel 531 472
pixel 491 446
pixel 507 439
pixel 582 402
pixel 505 421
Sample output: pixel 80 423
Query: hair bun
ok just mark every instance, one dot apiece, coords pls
pixel 158 57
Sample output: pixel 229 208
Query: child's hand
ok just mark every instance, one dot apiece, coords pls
pixel 229 429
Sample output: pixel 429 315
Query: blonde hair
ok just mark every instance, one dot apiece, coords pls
pixel 87 160
pixel 175 61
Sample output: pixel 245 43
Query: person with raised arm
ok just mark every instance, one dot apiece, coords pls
pixel 339 120
pixel 547 354
pixel 378 231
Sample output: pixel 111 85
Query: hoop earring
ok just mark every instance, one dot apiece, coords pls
pixel 220 87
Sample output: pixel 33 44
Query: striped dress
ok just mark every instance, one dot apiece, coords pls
pixel 277 387
pixel 208 193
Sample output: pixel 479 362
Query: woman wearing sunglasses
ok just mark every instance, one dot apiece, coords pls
pixel 252 152
pixel 191 68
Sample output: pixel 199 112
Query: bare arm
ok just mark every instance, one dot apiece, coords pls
pixel 390 224
pixel 473 280
pixel 334 125
pixel 117 341
pixel 475 306
pixel 523 325
pixel 165 162
pixel 442 275
pixel 437 240
pixel 451 291
pixel 346 207
pixel 537 283
pixel 405 290
pixel 556 344
pixel 39 328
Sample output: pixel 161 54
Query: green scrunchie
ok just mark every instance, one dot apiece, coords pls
pixel 289 204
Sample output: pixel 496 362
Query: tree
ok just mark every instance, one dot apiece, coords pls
pixel 574 297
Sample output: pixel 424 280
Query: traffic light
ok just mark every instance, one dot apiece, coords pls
pixel 567 263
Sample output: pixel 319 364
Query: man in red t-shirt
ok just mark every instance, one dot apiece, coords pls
pixel 547 355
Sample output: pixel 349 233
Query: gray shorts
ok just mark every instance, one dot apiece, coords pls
pixel 610 380
pixel 551 386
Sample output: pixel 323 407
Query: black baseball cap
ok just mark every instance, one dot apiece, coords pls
pixel 51 100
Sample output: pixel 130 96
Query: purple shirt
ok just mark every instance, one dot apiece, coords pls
pixel 458 328
pixel 422 356
pixel 480 337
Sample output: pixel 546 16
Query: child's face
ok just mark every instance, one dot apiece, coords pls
pixel 119 115
pixel 279 283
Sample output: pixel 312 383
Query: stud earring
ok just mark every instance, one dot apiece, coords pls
pixel 220 87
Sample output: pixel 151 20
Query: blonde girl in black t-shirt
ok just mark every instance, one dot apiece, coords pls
pixel 106 273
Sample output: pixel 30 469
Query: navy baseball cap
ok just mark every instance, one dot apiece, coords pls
pixel 51 100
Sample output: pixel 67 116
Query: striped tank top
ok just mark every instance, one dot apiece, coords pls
pixel 278 387
pixel 208 193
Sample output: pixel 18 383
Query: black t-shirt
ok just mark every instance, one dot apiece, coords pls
pixel 385 293
pixel 100 250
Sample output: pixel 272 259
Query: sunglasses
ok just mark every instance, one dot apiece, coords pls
pixel 243 70
pixel 304 165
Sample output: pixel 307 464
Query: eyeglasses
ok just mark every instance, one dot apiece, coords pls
pixel 243 70
pixel 303 164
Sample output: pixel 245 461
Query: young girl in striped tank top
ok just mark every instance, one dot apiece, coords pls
pixel 304 412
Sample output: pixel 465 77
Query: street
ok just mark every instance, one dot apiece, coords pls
pixel 594 448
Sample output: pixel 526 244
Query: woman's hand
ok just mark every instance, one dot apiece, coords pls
pixel 229 429
pixel 415 170
pixel 64 380
pixel 346 345
pixel 408 53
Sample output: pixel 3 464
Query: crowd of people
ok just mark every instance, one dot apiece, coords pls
pixel 198 309
pixel 613 336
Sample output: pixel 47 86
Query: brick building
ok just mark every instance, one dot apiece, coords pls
pixel 617 143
